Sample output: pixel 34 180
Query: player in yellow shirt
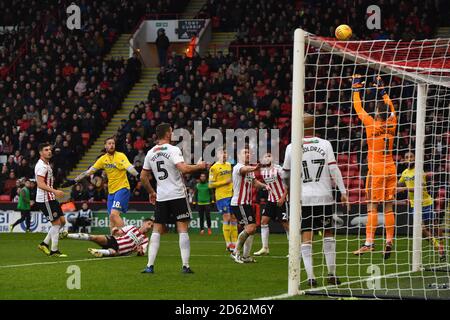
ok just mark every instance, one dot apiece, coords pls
pixel 116 166
pixel 406 183
pixel 220 179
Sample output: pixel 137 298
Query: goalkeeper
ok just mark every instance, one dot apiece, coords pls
pixel 382 175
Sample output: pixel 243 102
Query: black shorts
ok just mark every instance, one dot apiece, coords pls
pixel 171 211
pixel 51 210
pixel 111 243
pixel 273 211
pixel 244 214
pixel 317 217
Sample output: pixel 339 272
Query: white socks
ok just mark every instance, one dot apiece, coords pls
pixel 241 240
pixel 153 248
pixel 78 236
pixel 265 236
pixel 329 250
pixel 307 259
pixel 248 246
pixel 48 237
pixel 54 235
pixel 105 252
pixel 185 248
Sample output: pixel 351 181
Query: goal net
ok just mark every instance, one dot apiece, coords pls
pixel 416 77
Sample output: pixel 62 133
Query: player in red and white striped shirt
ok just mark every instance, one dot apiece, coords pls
pixel 241 204
pixel 124 241
pixel 277 206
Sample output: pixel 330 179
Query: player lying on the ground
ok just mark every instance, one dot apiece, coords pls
pixel 124 241
pixel 319 171
pixel 277 207
pixel 430 223
pixel 382 176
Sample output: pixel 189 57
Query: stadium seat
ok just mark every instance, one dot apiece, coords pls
pixel 342 158
pixel 85 136
pixel 5 197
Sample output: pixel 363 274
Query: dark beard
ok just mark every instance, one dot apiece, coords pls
pixel 411 165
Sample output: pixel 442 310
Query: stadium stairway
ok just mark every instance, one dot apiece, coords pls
pixel 193 8
pixel 220 41
pixel 137 94
pixel 120 48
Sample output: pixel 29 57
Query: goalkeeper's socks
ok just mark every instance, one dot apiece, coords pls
pixel 248 246
pixel 226 229
pixel 185 248
pixel 265 235
pixel 153 248
pixel 307 259
pixel 389 222
pixel 371 227
pixel 78 236
pixel 329 250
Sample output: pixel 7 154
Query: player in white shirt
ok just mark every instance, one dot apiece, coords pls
pixel 166 163
pixel 241 204
pixel 46 201
pixel 124 241
pixel 277 207
pixel 319 170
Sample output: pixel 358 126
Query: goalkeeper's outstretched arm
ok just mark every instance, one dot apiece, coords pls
pixel 357 88
pixel 378 83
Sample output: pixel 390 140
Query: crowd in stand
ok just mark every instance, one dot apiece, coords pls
pixel 62 90
pixel 273 22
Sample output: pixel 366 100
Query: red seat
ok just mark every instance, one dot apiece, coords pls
pixel 5 197
pixel 85 136
pixel 162 90
pixel 342 158
pixel 344 169
pixel 345 120
pixel 165 97
pixel 169 90
pixel 262 113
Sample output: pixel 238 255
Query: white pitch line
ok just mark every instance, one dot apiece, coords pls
pixel 280 296
pixel 58 262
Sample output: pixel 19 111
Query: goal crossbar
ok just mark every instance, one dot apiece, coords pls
pixel 403 71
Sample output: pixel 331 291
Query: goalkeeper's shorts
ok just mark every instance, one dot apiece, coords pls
pixel 381 187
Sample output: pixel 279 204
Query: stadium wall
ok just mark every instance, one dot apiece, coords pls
pixel 352 223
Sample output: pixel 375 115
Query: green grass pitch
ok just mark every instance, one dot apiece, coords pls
pixel 26 273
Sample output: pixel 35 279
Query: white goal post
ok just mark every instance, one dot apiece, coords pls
pixel 421 64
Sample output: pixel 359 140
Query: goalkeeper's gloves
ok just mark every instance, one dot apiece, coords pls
pixel 68 183
pixel 357 83
pixel 379 85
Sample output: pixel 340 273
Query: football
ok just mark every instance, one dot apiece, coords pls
pixel 343 32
